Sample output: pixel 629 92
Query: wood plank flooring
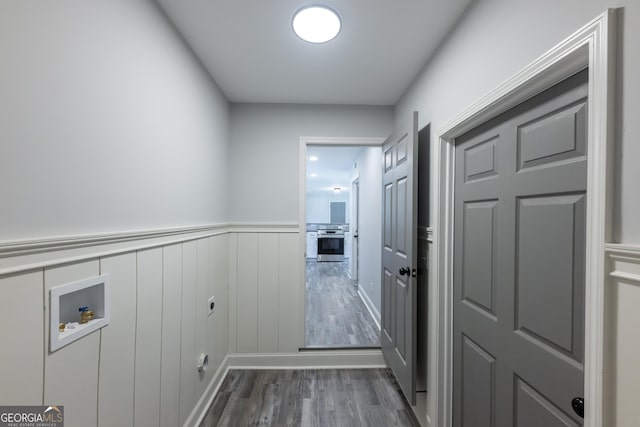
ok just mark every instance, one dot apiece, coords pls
pixel 311 397
pixel 335 314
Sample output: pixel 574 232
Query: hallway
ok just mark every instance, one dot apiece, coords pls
pixel 335 313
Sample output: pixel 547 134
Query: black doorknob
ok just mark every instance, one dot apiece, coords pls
pixel 578 406
pixel 404 270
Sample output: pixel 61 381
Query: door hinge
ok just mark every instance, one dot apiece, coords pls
pixel 414 273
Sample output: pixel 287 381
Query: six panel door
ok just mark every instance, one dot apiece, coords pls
pixel 519 253
pixel 399 255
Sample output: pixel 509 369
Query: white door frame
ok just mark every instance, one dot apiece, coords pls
pixel 327 141
pixel 592 46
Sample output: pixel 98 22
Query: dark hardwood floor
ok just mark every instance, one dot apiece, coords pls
pixel 335 314
pixel 312 397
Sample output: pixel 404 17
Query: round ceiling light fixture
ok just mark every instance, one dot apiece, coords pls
pixel 316 24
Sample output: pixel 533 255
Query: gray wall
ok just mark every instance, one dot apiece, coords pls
pixel 370 233
pixel 108 122
pixel 497 38
pixel 264 152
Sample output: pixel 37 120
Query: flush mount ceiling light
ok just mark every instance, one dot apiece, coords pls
pixel 313 158
pixel 316 24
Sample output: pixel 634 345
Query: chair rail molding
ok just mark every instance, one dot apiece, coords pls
pixel 624 262
pixel 24 255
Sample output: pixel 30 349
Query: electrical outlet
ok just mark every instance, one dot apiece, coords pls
pixel 211 303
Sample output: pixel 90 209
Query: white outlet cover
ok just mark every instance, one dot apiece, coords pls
pixel 209 308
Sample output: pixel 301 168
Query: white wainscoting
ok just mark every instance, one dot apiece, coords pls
pixel 266 287
pixel 622 310
pixel 140 369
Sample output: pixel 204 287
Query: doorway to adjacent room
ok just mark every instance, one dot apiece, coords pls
pixel 342 301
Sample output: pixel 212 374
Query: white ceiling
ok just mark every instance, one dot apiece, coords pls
pixel 334 168
pixel 249 48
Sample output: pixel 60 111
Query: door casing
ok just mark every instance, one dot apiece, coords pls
pixel 592 47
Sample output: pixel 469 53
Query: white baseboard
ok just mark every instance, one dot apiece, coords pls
pixel 375 314
pixel 200 410
pixel 329 359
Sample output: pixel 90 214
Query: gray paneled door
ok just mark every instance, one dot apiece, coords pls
pixel 399 252
pixel 519 254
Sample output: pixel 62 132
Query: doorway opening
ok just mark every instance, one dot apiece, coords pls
pixel 425 242
pixel 340 179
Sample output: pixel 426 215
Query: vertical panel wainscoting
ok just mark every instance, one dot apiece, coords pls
pixel 268 294
pixel 148 339
pixel 118 343
pixel 291 294
pixel 188 328
pixel 621 353
pixel 218 286
pixel 22 356
pixel 247 300
pixel 171 330
pixel 266 288
pixel 140 370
